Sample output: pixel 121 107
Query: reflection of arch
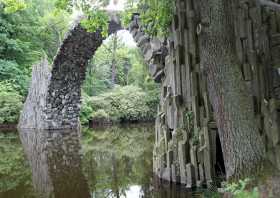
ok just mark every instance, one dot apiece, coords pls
pixel 53 100
pixel 55 160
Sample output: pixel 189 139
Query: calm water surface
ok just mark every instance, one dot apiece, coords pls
pixel 113 162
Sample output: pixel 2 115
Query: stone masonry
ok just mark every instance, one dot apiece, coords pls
pixel 54 96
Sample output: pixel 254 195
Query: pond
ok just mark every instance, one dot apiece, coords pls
pixel 112 162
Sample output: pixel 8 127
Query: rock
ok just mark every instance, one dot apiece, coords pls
pixel 32 115
pixel 190 176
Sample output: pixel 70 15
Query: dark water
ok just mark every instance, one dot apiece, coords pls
pixel 115 162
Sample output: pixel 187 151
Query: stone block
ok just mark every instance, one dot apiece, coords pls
pixel 170 158
pixel 138 35
pixel 190 176
pixel 182 161
pixel 155 44
pixel 175 174
pixel 194 160
pixel 166 174
pixel 159 76
pixel 201 172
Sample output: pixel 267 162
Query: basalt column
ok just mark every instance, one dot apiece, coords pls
pixel 187 148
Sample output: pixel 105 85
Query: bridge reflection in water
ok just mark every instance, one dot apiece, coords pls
pixel 55 160
pixel 114 162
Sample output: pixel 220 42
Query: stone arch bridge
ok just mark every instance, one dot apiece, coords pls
pixel 54 96
pixel 186 150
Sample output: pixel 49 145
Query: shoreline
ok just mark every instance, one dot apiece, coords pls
pixel 11 127
pixel 8 127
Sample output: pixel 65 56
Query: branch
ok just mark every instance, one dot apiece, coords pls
pixel 271 5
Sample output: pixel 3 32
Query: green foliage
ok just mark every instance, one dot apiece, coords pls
pixel 96 20
pixel 14 171
pixel 156 15
pixel 126 15
pixel 100 114
pixel 123 104
pixel 86 109
pixel 130 69
pixel 135 96
pixel 10 103
pixel 189 121
pixel 12 6
pixel 10 71
pixel 54 25
pixel 62 4
pixel 26 34
pixel 239 189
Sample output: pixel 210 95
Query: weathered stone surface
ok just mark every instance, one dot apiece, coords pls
pixel 257 48
pixel 32 115
pixel 190 176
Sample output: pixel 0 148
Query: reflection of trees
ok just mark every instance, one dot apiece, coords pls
pixel 115 182
pixel 15 174
pixel 122 157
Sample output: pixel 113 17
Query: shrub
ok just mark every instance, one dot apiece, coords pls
pixel 124 104
pixel 11 72
pixel 10 103
pixel 86 109
pixel 100 114
pixel 100 117
pixel 238 190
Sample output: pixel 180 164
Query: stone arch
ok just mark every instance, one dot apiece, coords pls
pixel 53 101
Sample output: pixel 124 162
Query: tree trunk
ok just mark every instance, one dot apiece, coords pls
pixel 243 149
pixel 114 59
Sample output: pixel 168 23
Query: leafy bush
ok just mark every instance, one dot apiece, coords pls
pixel 12 6
pixel 100 114
pixel 86 109
pixel 11 71
pixel 122 104
pixel 238 189
pixel 10 103
pixel 100 117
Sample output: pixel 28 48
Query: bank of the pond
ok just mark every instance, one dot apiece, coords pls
pixel 107 123
pixel 8 127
